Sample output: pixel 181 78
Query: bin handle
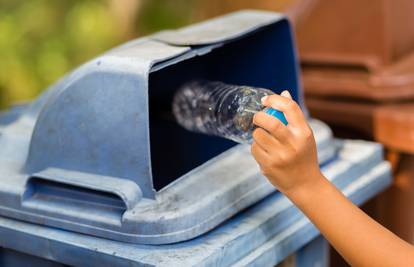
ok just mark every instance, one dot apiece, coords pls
pixel 74 184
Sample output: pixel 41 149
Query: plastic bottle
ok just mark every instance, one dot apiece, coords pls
pixel 220 109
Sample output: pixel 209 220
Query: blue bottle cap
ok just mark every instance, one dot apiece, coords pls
pixel 277 114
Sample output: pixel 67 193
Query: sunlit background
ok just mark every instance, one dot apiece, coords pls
pixel 41 40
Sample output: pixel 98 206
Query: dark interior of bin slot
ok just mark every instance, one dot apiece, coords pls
pixel 263 59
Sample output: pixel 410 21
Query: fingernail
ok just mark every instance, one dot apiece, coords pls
pixel 286 94
pixel 263 99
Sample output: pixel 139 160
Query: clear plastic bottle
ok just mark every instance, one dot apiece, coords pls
pixel 220 109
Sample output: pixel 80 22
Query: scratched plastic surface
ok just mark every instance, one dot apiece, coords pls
pixel 219 109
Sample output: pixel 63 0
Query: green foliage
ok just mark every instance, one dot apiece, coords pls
pixel 159 15
pixel 41 40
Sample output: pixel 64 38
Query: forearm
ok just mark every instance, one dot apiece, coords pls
pixel 357 237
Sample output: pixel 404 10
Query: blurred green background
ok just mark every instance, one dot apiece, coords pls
pixel 41 40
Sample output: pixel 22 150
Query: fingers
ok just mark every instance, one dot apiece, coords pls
pixel 272 125
pixel 287 105
pixel 264 139
pixel 259 154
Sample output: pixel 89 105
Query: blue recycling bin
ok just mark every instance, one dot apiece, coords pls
pixel 95 172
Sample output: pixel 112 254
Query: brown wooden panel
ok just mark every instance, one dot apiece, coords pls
pixel 369 33
pixel 395 208
pixel 394 127
pixel 392 83
pixel 357 116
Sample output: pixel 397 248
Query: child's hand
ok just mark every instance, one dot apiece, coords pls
pixel 287 157
pixel 286 154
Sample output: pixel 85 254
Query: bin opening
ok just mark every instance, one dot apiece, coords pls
pixel 259 60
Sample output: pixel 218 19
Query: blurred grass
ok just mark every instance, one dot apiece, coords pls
pixel 41 40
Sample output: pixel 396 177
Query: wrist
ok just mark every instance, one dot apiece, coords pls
pixel 303 194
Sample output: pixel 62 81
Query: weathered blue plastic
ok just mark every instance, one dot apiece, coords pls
pixel 91 155
pixel 262 235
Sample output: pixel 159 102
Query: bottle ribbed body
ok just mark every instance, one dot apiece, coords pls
pixel 219 109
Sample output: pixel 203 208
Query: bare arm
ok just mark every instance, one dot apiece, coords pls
pixel 357 237
pixel 287 157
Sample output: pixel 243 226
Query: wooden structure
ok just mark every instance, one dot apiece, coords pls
pixel 358 72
